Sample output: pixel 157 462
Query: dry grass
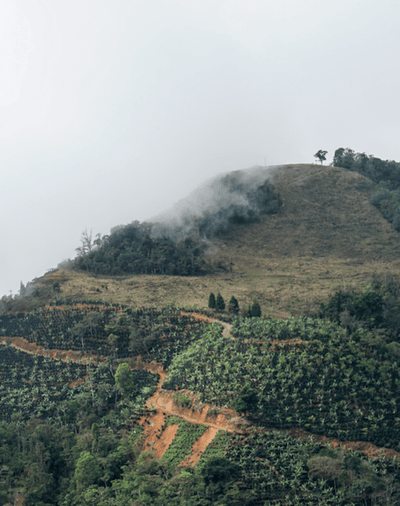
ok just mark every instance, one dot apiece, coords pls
pixel 326 235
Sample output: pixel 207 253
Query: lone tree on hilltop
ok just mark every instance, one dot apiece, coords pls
pixel 321 155
pixel 219 303
pixel 211 301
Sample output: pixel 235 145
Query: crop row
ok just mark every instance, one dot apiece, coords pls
pixel 305 328
pixel 39 387
pixel 278 467
pixel 335 388
pixel 106 331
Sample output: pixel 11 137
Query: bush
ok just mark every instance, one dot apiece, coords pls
pixel 182 400
pixel 247 401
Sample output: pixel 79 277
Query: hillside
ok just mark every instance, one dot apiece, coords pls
pixel 326 235
pixel 126 390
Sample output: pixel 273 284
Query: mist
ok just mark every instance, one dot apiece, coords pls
pixel 113 112
pixel 240 196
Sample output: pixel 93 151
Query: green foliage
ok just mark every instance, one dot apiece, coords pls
pixel 366 306
pixel 332 385
pixel 129 250
pixel 219 469
pixel 247 402
pixel 254 310
pixel 386 174
pixel 124 378
pixel 182 400
pixel 233 306
pixel 106 330
pixel 219 303
pixel 87 470
pixel 375 307
pixel 68 440
pixel 321 155
pixel 211 301
pixel 186 436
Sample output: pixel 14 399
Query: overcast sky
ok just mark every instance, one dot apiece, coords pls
pixel 112 110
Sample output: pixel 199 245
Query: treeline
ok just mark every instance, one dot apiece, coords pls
pixel 132 250
pixel 218 303
pixel 385 173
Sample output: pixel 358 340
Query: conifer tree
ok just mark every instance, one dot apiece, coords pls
pixel 233 306
pixel 255 309
pixel 219 303
pixel 211 301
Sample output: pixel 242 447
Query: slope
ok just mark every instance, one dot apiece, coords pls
pixel 326 235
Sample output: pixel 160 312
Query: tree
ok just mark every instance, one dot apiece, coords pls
pixel 87 244
pixel 233 306
pixel 219 303
pixel 87 470
pixel 247 402
pixel 124 378
pixel 219 469
pixel 254 309
pixel 321 155
pixel 211 301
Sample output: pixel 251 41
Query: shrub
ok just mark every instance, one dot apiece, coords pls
pixel 182 400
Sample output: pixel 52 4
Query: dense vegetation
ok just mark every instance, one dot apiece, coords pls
pixel 106 330
pixel 385 173
pixel 105 468
pixel 341 386
pixel 132 250
pixel 69 436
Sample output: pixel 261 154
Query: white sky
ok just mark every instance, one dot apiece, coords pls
pixel 112 110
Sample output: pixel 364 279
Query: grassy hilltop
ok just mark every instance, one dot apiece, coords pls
pixel 125 389
pixel 326 235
